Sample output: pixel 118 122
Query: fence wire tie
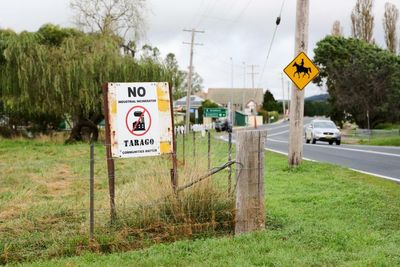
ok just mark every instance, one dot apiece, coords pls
pixel 210 172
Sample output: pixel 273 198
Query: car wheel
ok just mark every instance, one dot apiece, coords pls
pixel 338 142
pixel 313 140
pixel 307 140
pixel 331 142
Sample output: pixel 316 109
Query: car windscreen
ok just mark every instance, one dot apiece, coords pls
pixel 324 124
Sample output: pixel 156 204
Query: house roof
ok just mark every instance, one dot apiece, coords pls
pixel 195 102
pixel 237 96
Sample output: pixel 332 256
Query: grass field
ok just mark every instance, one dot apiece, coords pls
pixel 317 215
pixel 44 202
pixel 382 141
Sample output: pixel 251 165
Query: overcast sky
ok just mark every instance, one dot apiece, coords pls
pixel 237 29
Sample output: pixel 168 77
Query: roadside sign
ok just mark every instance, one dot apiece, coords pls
pixel 301 71
pixel 140 119
pixel 214 112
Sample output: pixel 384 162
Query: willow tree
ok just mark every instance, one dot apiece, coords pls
pixel 66 80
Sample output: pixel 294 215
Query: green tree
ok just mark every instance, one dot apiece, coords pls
pixel 54 35
pixel 206 104
pixel 180 78
pixel 177 76
pixel 361 78
pixel 269 102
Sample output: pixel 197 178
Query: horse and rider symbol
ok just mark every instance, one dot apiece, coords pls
pixel 300 68
pixel 301 71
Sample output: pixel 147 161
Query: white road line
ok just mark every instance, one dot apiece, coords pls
pixel 285 154
pixel 279 133
pixel 278 141
pixel 279 127
pixel 345 148
pixel 360 171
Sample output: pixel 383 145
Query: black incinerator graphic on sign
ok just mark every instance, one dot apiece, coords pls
pixel 139 124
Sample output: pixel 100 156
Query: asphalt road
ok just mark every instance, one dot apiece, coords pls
pixel 380 161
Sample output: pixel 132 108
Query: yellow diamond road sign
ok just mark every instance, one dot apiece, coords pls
pixel 301 71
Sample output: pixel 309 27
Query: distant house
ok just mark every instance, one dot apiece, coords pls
pixel 248 100
pixel 195 103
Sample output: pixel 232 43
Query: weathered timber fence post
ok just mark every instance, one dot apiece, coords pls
pixel 110 160
pixel 250 209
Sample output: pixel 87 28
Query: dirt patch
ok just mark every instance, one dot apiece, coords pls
pixel 61 180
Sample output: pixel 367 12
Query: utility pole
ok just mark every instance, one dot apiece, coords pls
pixel 244 74
pixel 295 156
pixel 244 84
pixel 252 73
pixel 231 72
pixel 283 96
pixel 189 91
pixel 288 97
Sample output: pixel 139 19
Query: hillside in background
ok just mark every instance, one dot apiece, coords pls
pixel 318 98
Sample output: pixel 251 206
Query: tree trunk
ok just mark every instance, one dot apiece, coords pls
pixel 83 128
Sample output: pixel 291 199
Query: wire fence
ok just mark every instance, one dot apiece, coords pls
pixel 46 200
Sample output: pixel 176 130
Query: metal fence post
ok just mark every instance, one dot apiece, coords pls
pixel 229 159
pixel 209 149
pixel 194 144
pixel 183 147
pixel 91 193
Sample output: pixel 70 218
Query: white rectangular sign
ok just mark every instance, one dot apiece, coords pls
pixel 140 119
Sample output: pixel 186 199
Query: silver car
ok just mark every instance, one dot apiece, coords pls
pixel 323 130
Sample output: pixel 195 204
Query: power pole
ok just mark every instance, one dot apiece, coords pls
pixel 297 101
pixel 189 91
pixel 288 98
pixel 283 96
pixel 252 73
pixel 231 72
pixel 244 84
pixel 244 75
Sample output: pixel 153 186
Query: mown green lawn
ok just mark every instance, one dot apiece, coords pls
pixel 317 215
pixel 382 141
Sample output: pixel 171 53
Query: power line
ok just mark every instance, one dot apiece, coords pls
pixel 277 22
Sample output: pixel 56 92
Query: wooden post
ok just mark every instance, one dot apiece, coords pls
pixel 229 159
pixel 174 170
pixel 295 155
pixel 250 210
pixel 110 160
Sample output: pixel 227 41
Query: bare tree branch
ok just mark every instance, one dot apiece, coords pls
pixel 362 20
pixel 122 18
pixel 390 19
